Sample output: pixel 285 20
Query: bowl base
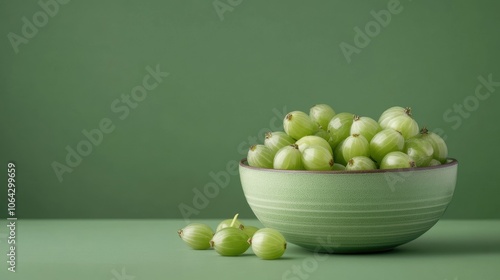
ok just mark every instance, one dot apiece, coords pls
pixel 350 250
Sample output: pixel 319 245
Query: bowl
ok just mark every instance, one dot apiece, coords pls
pixel 349 211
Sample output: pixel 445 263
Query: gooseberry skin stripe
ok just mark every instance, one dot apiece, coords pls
pixel 396 160
pixel 230 241
pixel 297 124
pixel 312 140
pixel 360 163
pixel 420 150
pixel 438 145
pixel 365 126
pixel 390 114
pixel 317 158
pixel 400 119
pixel 260 156
pixel 250 230
pixel 227 223
pixel 406 125
pixel 339 127
pixel 268 244
pixel 196 235
pixel 384 142
pixel 277 140
pixel 355 145
pixel 288 158
pixel 321 114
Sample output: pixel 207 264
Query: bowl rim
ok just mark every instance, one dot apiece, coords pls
pixel 449 162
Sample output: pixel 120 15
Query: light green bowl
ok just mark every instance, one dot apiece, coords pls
pixel 349 211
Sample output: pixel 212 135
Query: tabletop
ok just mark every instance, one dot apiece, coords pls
pixel 151 249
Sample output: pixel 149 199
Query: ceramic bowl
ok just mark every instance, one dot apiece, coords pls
pixel 349 211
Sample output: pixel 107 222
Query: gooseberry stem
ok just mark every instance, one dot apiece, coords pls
pixel 234 220
pixel 408 111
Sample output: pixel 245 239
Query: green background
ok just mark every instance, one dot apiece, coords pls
pixel 228 79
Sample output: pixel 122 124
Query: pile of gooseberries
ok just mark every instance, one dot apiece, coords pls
pixel 232 238
pixel 324 140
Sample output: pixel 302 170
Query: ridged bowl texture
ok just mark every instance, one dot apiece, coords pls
pixel 349 211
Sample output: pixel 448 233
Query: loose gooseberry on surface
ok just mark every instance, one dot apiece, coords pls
pixel 321 115
pixel 268 244
pixel 196 235
pixel 234 222
pixel 250 230
pixel 312 140
pixel 230 241
pixel 386 141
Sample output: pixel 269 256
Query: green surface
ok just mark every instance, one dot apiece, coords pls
pixel 151 249
pixel 227 81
